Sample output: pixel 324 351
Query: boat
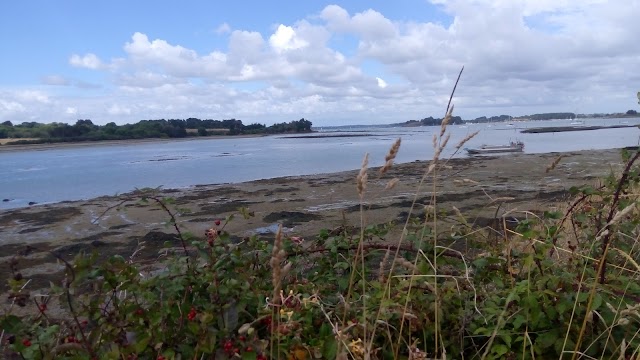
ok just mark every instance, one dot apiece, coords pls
pixel 577 122
pixel 514 146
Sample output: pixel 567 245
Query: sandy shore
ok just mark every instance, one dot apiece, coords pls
pixel 303 205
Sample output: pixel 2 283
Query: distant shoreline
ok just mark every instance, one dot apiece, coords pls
pixel 70 145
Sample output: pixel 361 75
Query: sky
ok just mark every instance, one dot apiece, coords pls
pixel 334 63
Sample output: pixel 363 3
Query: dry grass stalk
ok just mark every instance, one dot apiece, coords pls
pixel 391 184
pixel 622 213
pixel 445 121
pixel 467 138
pixel 554 164
pixel 442 146
pixel 383 264
pixel 361 179
pixel 393 152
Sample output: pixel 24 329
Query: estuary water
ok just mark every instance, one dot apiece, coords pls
pixel 75 173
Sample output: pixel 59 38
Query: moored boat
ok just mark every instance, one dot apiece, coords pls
pixel 514 146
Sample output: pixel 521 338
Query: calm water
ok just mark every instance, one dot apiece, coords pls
pixel 46 176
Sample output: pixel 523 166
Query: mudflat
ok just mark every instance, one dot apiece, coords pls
pixel 303 205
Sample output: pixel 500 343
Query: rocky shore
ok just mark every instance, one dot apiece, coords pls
pixel 303 205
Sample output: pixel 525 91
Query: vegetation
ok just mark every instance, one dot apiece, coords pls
pixel 554 285
pixel 431 121
pixel 85 130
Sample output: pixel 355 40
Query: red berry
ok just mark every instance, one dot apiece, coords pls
pixel 217 222
pixel 192 314
pixel 43 307
pixel 26 342
pixel 71 339
pixel 249 349
pixel 261 357
pixel 160 357
pixel 242 338
pixel 139 312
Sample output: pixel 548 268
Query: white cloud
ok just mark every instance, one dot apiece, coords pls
pixel 520 57
pixel 71 111
pixel 285 38
pixel 369 24
pixel 89 61
pixel 223 28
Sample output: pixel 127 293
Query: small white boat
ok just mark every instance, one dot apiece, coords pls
pixel 514 146
pixel 577 122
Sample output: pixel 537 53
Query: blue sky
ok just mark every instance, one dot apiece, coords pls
pixel 331 62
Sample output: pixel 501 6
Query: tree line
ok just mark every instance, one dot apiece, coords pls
pixel 86 130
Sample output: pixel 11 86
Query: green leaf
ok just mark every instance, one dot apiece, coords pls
pixel 547 339
pixel 141 344
pixel 564 305
pixel 341 265
pixel 343 282
pixel 597 301
pixel 10 323
pixel 500 350
pixel 249 355
pixel 518 321
pixel 480 263
pixel 330 348
pixel 583 297
pixel 325 330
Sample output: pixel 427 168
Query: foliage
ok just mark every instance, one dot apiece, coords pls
pixel 85 130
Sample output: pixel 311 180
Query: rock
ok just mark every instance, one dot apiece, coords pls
pixel 32 202
pixel 98 243
pixel 6 200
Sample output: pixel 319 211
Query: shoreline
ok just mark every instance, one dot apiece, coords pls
pixel 302 204
pixel 80 144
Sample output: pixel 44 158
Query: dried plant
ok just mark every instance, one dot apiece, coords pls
pixel 553 164
pixel 361 179
pixel 393 152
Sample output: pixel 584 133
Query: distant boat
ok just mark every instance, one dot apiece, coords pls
pixel 577 122
pixel 517 146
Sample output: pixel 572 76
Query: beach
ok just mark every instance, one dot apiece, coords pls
pixel 479 187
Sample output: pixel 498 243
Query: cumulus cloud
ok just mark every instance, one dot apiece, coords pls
pixel 520 57
pixel 285 39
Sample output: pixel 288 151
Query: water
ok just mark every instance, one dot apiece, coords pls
pixel 75 173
